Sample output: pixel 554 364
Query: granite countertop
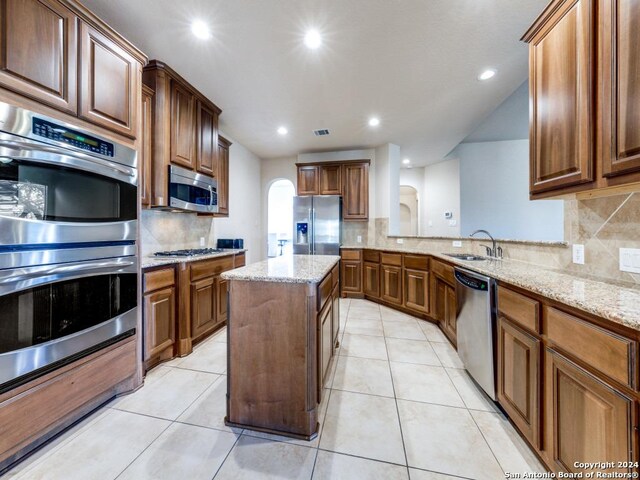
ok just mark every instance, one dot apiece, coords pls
pixel 617 303
pixel 151 261
pixel 286 269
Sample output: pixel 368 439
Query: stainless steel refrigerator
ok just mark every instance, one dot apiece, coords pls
pixel 317 225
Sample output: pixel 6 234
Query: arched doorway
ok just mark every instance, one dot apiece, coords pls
pixel 280 218
pixel 408 211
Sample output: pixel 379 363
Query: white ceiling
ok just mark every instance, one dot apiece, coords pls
pixel 412 63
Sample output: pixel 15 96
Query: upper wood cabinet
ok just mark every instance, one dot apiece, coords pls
pixel 39 51
pixel 223 177
pixel 146 147
pixel 207 158
pixel 584 89
pixel 330 180
pixel 308 180
pixel 183 126
pixel 59 53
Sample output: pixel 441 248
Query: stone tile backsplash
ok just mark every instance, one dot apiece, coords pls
pixel 172 231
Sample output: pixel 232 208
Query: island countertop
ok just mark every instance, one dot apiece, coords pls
pixel 286 269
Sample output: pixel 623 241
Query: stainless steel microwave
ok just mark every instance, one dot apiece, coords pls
pixel 192 191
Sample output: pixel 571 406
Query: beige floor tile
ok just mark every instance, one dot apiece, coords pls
pixel 220 336
pixel 472 396
pixel 363 425
pixel 181 451
pixel 334 466
pixel 363 315
pixel 424 383
pixel 395 315
pixel 446 440
pixel 447 355
pixel 209 357
pixel 101 451
pixel 510 450
pixel 432 332
pixel 363 375
pixel 360 326
pixel 255 458
pixel 210 408
pixel 402 329
pixel 168 396
pixel 424 475
pixel 411 351
pixel 364 346
pixel 362 303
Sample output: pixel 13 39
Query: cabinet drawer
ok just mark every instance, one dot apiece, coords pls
pixel 351 254
pixel 520 309
pixel 159 279
pixel 444 271
pixel 240 260
pixel 605 351
pixel 416 262
pixel 391 259
pixel 207 268
pixel 324 290
pixel 371 256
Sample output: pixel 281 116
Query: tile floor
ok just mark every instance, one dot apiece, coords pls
pixel 398 406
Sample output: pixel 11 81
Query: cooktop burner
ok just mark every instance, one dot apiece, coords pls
pixel 189 252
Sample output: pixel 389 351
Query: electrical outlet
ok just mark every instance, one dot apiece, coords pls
pixel 578 254
pixel 457 243
pixel 630 260
pixel 359 239
pixel 202 241
pixel 400 241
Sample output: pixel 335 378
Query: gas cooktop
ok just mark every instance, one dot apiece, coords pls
pixel 192 252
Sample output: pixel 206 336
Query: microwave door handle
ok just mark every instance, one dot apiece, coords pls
pixel 210 196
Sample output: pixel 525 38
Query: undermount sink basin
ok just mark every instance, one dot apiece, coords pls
pixel 465 256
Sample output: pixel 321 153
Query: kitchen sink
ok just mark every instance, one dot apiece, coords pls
pixel 465 256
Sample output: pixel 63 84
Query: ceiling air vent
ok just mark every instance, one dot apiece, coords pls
pixel 321 133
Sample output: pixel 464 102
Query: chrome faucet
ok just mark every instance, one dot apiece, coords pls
pixel 493 251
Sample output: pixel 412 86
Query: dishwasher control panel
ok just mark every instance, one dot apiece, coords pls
pixel 471 282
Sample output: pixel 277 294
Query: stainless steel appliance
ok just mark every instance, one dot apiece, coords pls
pixel 317 225
pixel 476 327
pixel 68 264
pixel 192 191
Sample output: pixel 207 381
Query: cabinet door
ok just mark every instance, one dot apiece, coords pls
pixel 221 288
pixel 308 180
pixel 451 313
pixel 355 187
pixel 416 290
pixel 203 307
pixel 335 298
pixel 207 156
pixel 39 51
pixel 330 180
pixel 160 321
pixel 372 279
pixel 109 83
pixel 351 276
pixel 620 63
pixel 391 284
pixel 325 346
pixel 586 419
pixel 561 88
pixel 519 378
pixel 183 126
pixel 146 147
pixel 223 181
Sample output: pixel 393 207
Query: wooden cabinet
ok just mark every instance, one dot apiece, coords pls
pixel 325 345
pixel 391 283
pixel 183 127
pixel 207 154
pixel 371 276
pixel 222 301
pixel 444 306
pixel 416 290
pixel 159 303
pixel 223 177
pixel 518 373
pixel 586 420
pixel 335 298
pixel 203 307
pixel 355 181
pixel 308 180
pixel 39 51
pixel 330 180
pixel 351 273
pixel 146 147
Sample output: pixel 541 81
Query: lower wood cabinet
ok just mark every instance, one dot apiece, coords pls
pixel 391 284
pixel 351 275
pixel 222 301
pixel 518 372
pixel 416 290
pixel 371 278
pixel 586 419
pixel 203 307
pixel 335 298
pixel 325 345
pixel 159 303
pixel 445 308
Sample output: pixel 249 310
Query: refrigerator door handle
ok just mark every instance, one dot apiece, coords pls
pixel 313 231
pixel 310 232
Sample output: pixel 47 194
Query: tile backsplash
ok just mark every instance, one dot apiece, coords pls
pixel 171 231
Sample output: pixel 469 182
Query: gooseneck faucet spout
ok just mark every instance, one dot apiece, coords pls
pixel 492 252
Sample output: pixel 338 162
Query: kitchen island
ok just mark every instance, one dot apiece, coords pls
pixel 282 329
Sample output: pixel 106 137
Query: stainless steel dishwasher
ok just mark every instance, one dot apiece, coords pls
pixel 476 326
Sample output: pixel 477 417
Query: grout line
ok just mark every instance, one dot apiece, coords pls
pixel 441 473
pixel 361 457
pixel 487 442
pixel 611 216
pixel 226 457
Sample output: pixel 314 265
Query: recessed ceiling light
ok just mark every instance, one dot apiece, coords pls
pixel 312 39
pixel 487 74
pixel 406 161
pixel 200 29
pixel 374 122
pixel 283 130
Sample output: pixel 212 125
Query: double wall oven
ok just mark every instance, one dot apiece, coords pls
pixel 68 224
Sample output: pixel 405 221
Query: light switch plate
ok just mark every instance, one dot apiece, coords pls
pixel 202 240
pixel 578 254
pixel 359 238
pixel 630 260
pixel 457 243
pixel 399 240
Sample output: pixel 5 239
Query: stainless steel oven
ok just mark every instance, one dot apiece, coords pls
pixel 59 184
pixel 192 191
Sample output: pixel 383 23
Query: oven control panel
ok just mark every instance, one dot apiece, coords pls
pixel 59 133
